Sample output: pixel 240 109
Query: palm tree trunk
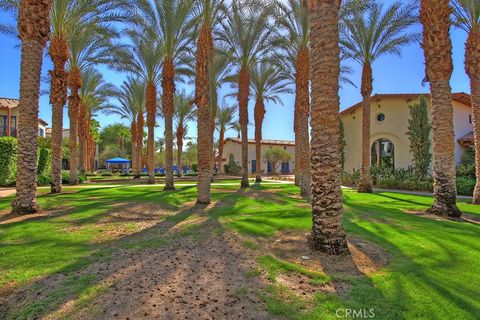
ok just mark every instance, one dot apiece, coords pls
pixel 243 93
pixel 259 115
pixel 151 97
pixel 437 46
pixel 34 28
pixel 58 97
pixel 221 137
pixel 73 106
pixel 365 182
pixel 472 68
pixel 204 58
pixel 168 85
pixel 82 117
pixel 140 124
pixel 327 234
pixel 133 133
pixel 179 149
pixel 302 112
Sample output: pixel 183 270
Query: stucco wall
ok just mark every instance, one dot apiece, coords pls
pixel 394 128
pixel 235 148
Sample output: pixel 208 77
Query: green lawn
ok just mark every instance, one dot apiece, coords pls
pixel 433 273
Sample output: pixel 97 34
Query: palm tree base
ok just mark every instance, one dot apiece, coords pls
pixel 365 187
pixel 202 202
pixel 331 246
pixel 74 182
pixel 244 184
pixel 150 181
pixel 258 178
pixel 476 194
pixel 21 210
pixel 136 176
pixel 168 188
pixel 446 211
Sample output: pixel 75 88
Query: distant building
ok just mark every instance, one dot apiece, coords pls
pixel 9 119
pixel 389 124
pixel 233 151
pixel 65 133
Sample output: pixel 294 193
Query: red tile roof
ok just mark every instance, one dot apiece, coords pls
pixel 461 97
pixel 9 103
pixel 268 142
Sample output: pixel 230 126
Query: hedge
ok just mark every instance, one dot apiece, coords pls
pixel 43 166
pixel 8 161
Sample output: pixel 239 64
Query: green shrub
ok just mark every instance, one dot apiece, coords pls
pixel 194 167
pixel 466 171
pixel 232 168
pixel 66 178
pixel 350 179
pixel 8 161
pixel 44 161
pixel 43 180
pixel 465 186
pixel 107 174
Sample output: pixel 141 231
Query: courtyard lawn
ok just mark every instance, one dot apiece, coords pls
pixel 433 272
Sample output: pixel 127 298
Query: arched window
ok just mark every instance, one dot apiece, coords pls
pixel 383 153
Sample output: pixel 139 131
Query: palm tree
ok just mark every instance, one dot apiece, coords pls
pixel 87 48
pixel 67 15
pixel 365 37
pixel 183 113
pixel 131 98
pixel 293 18
pixel 327 234
pixel 224 122
pixel 437 47
pixel 467 17
pixel 170 21
pixel 143 58
pixel 268 82
pixel 246 35
pixel 34 31
pixel 208 14
pixel 94 95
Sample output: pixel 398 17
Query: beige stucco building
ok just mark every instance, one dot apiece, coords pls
pixel 389 122
pixel 233 150
pixel 9 119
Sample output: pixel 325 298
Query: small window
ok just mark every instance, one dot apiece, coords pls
pixel 470 118
pixel 380 117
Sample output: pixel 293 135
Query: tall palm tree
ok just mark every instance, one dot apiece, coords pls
pixel 171 22
pixel 67 15
pixel 208 13
pixel 87 48
pixel 34 31
pixel 365 37
pixel 131 98
pixel 246 36
pixel 268 83
pixel 142 57
pixel 437 47
pixel 467 17
pixel 224 122
pixel 327 234
pixel 292 17
pixel 183 113
pixel 94 95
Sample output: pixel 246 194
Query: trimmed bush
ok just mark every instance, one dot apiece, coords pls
pixel 8 161
pixel 66 178
pixel 465 186
pixel 43 180
pixel 43 166
pixel 194 167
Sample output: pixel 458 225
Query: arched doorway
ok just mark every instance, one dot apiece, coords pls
pixel 383 153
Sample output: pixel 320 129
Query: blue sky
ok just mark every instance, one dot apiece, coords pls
pixel 392 74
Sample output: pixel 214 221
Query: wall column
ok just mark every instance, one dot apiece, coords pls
pixel 8 122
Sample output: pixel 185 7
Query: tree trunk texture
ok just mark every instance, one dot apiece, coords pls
pixel 365 182
pixel 472 68
pixel 133 133
pixel 437 47
pixel 75 82
pixel 151 104
pixel 204 58
pixel 58 97
pixel 168 85
pixel 302 112
pixel 34 31
pixel 140 124
pixel 82 118
pixel 327 234
pixel 243 94
pixel 259 115
pixel 221 137
pixel 180 132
